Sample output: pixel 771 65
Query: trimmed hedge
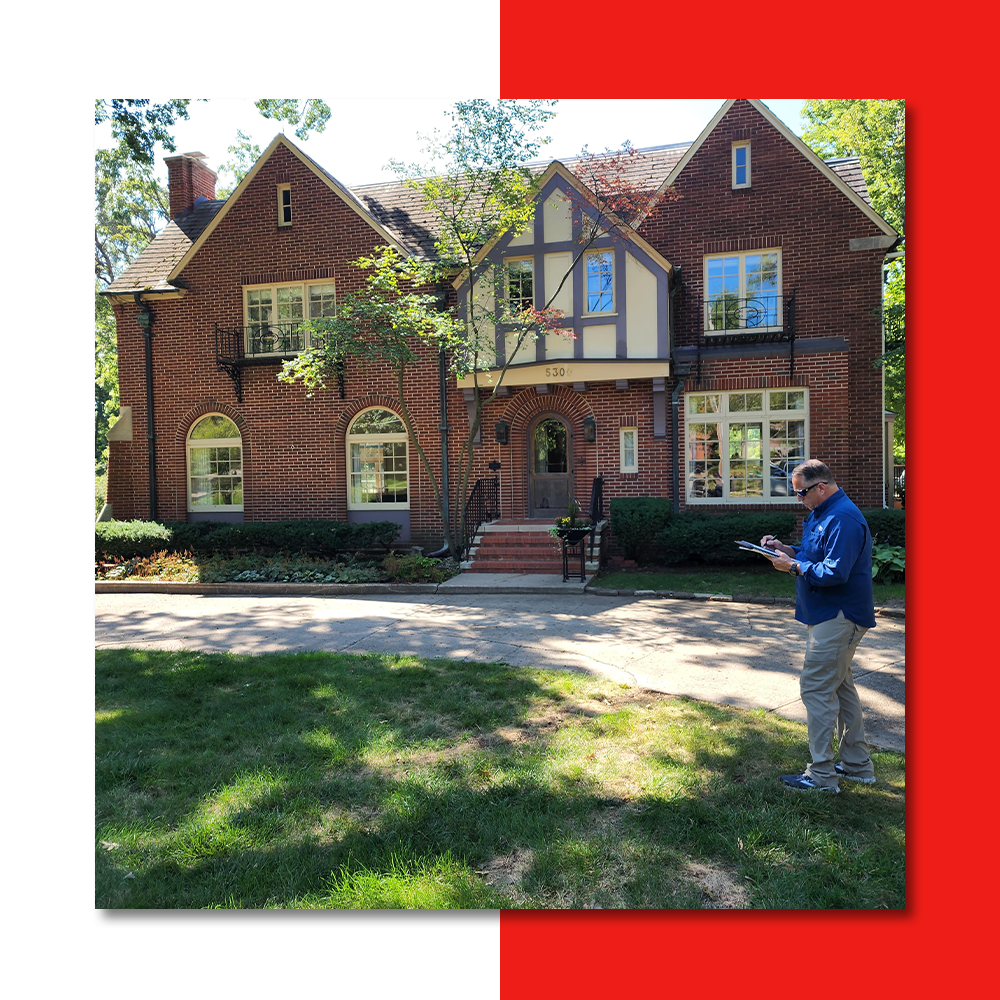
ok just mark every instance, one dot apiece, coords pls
pixel 636 521
pixel 700 536
pixel 888 526
pixel 325 539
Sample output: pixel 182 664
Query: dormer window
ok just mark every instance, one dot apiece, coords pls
pixel 741 164
pixel 284 204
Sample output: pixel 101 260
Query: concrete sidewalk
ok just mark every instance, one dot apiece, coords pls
pixel 746 655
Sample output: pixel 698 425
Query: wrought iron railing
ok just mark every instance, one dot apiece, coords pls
pixel 237 347
pixel 730 321
pixel 259 340
pixel 596 508
pixel 483 505
pixel 899 483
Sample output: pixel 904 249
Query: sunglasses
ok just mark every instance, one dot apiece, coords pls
pixel 802 493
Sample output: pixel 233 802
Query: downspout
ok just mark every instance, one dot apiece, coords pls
pixel 446 496
pixel 682 373
pixel 145 319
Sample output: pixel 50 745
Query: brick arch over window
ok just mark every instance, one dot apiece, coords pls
pixel 390 501
pixel 178 485
pixel 520 412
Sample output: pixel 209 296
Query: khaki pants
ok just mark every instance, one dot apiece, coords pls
pixel 831 700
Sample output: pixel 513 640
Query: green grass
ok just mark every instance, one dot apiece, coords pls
pixel 762 582
pixel 323 780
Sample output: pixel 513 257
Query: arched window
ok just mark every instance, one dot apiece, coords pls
pixel 377 469
pixel 215 466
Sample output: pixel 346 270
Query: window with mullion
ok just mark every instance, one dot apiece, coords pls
pixel 600 282
pixel 743 291
pixel 520 286
pixel 730 436
pixel 274 315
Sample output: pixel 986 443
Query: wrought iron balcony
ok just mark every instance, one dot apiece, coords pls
pixel 239 347
pixel 736 322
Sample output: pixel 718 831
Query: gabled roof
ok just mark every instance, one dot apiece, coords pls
pixel 839 177
pixel 398 213
pixel 557 169
pixel 149 271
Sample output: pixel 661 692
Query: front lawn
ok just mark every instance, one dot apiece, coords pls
pixel 757 582
pixel 322 780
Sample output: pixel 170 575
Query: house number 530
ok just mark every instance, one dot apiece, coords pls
pixel 558 372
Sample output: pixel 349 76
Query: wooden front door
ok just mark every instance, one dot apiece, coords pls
pixel 550 463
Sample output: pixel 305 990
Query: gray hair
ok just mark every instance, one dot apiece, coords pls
pixel 812 470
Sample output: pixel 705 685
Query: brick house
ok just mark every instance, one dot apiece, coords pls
pixel 729 336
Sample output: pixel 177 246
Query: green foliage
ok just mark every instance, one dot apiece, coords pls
pixel 875 132
pixel 311 115
pixel 888 563
pixel 636 521
pixel 414 569
pixel 138 125
pixel 388 320
pixel 128 539
pixel 100 492
pixel 888 526
pixel 701 536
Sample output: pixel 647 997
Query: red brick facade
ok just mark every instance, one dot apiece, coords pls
pixel 294 461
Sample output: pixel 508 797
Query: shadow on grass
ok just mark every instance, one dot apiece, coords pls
pixel 325 780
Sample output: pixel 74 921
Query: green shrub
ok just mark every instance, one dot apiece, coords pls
pixel 129 539
pixel 888 527
pixel 636 521
pixel 701 536
pixel 326 539
pixel 888 564
pixel 100 493
pixel 413 569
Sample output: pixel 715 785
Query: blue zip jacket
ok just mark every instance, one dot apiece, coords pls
pixel 835 556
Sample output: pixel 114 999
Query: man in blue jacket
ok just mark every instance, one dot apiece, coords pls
pixel 835 600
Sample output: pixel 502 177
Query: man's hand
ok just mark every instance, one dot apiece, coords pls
pixel 771 542
pixel 783 562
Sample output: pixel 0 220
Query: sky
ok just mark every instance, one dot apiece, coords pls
pixel 363 135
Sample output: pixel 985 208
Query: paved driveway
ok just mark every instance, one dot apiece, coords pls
pixel 745 655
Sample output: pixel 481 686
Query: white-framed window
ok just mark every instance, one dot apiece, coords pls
pixel 284 204
pixel 520 284
pixel 628 454
pixel 743 292
pixel 600 278
pixel 741 164
pixel 377 469
pixel 214 465
pixel 742 446
pixel 274 314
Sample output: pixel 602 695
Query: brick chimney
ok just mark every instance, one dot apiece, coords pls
pixel 188 179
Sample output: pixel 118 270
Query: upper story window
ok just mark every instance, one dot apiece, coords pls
pixel 284 204
pixel 520 285
pixel 741 164
pixel 215 465
pixel 600 289
pixel 742 446
pixel 274 314
pixel 743 292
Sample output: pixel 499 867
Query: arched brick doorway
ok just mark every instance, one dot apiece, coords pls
pixel 550 466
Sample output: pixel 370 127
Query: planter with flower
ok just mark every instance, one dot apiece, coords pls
pixel 572 528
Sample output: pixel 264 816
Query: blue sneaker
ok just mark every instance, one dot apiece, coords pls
pixel 804 782
pixel 839 768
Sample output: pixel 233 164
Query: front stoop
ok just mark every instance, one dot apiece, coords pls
pixel 524 547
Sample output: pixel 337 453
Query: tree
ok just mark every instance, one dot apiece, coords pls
pixel 478 188
pixel 875 132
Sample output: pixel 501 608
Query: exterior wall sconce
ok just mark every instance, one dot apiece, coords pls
pixel 589 429
pixel 502 431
